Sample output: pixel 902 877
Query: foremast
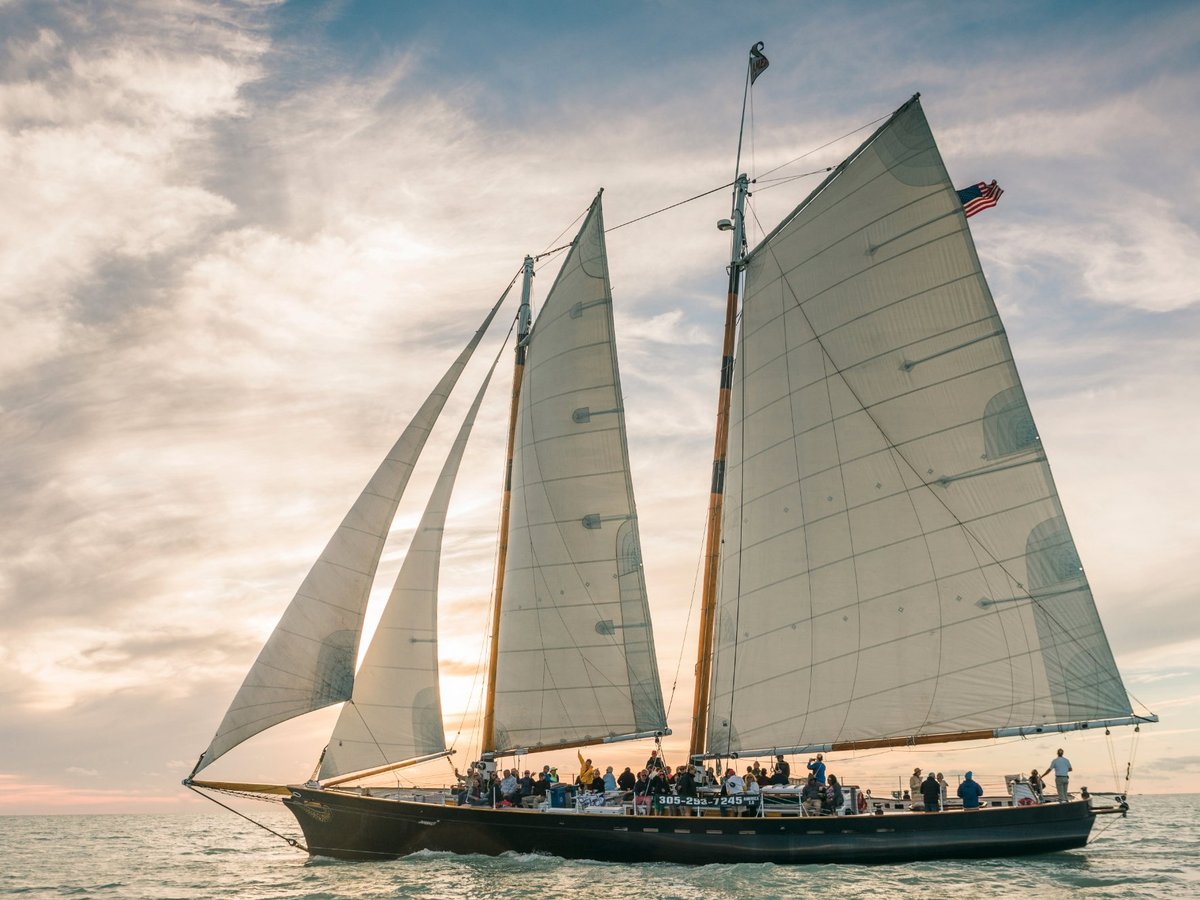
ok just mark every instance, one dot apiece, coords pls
pixel 524 318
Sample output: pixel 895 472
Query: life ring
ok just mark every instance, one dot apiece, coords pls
pixel 862 803
pixel 1026 801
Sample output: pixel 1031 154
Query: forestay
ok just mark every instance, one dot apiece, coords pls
pixel 395 713
pixel 896 562
pixel 308 661
pixel 576 655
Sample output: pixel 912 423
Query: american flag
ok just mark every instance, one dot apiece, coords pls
pixel 979 197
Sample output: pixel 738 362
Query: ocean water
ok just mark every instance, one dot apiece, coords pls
pixel 1154 853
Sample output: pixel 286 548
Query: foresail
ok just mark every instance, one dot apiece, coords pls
pixel 308 661
pixel 896 561
pixel 576 657
pixel 395 713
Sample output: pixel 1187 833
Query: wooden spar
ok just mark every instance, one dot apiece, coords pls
pixel 712 546
pixel 241 787
pixel 379 770
pixel 584 742
pixel 949 737
pixel 488 738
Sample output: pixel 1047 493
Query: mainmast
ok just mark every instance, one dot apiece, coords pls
pixel 524 318
pixel 716 501
pixel 756 65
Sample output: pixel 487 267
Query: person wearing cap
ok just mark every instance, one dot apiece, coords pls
pixel 914 787
pixel 1061 766
pixel 970 791
pixel 932 792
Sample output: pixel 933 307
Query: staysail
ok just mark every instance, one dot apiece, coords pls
pixel 576 659
pixel 895 562
pixel 395 713
pixel 308 661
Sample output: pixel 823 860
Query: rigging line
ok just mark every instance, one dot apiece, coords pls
pixel 561 247
pixel 784 179
pixel 739 344
pixel 780 182
pixel 495 557
pixel 558 237
pixel 823 146
pixel 291 841
pixel 671 206
pixel 1112 758
pixel 691 609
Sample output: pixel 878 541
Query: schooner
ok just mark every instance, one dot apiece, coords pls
pixel 887 563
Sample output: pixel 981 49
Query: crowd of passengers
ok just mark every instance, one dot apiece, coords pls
pixel 819 796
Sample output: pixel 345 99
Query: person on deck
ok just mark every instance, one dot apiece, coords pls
pixel 834 797
pixel 586 772
pixel 813 797
pixel 914 786
pixel 685 787
pixel 970 791
pixel 1061 766
pixel 542 785
pixel 782 771
pixel 932 792
pixel 942 784
pixel 657 787
pixel 626 780
pixel 654 762
pixel 817 767
pixel 610 780
pixel 525 788
pixel 510 790
pixel 1037 785
pixel 641 791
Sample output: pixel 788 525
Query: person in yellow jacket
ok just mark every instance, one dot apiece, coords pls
pixel 586 772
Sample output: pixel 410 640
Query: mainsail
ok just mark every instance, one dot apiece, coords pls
pixel 395 713
pixel 576 659
pixel 308 661
pixel 895 562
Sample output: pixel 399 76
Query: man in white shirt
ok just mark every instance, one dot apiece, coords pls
pixel 1061 766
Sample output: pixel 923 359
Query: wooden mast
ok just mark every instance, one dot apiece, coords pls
pixel 524 317
pixel 756 64
pixel 716 501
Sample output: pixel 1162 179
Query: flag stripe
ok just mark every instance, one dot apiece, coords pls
pixel 979 197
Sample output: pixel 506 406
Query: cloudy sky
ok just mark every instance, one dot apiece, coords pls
pixel 240 241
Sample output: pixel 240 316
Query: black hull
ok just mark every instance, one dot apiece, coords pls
pixel 361 828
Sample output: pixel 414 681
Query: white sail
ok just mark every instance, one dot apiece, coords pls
pixel 308 661
pixel 576 654
pixel 395 713
pixel 895 561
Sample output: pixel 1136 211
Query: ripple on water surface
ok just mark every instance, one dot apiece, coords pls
pixel 1150 855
